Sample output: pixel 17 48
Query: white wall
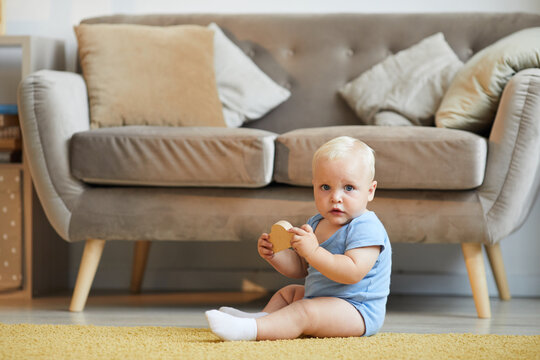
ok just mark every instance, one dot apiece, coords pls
pixel 417 268
pixel 55 18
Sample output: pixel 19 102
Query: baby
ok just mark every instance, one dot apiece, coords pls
pixel 343 253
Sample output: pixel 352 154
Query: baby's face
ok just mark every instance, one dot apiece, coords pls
pixel 342 189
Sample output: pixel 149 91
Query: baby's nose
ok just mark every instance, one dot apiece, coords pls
pixel 336 196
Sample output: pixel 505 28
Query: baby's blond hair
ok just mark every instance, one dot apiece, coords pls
pixel 341 146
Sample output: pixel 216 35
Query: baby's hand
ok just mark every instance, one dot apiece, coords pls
pixel 304 241
pixel 264 246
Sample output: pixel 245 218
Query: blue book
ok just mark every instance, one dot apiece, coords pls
pixel 8 109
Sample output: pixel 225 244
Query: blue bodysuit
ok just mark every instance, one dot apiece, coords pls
pixel 368 295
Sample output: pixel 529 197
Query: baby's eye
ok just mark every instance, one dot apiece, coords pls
pixel 325 187
pixel 349 188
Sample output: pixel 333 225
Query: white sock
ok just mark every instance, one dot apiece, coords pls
pixel 242 314
pixel 231 328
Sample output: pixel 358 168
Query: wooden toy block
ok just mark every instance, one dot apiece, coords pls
pixel 280 236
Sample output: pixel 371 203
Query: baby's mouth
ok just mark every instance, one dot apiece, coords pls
pixel 336 211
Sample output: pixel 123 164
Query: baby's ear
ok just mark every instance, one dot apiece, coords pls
pixel 371 190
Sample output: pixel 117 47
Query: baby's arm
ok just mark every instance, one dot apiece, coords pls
pixel 286 262
pixel 348 268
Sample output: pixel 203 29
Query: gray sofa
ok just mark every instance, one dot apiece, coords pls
pixel 435 185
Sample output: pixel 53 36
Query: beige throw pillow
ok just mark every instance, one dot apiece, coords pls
pixel 411 82
pixel 146 75
pixel 472 98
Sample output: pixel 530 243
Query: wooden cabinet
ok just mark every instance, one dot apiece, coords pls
pixel 33 259
pixel 11 249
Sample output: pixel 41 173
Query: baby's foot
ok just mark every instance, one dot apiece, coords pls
pixel 231 328
pixel 242 314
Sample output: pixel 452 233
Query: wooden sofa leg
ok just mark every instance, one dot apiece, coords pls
pixel 497 267
pixel 87 270
pixel 140 258
pixel 474 261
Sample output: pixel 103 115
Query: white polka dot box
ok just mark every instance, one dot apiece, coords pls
pixel 10 230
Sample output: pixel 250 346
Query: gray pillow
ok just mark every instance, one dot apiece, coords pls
pixel 390 118
pixel 411 82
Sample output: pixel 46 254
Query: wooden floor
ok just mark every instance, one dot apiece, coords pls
pixel 413 314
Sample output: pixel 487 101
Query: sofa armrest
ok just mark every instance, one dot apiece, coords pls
pixel 53 105
pixel 512 175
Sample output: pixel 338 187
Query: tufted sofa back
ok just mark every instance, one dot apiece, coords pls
pixel 315 54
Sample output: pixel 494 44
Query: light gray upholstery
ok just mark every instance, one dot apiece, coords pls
pixel 217 214
pixel 512 173
pixel 313 56
pixel 418 216
pixel 53 106
pixel 202 214
pixel 177 156
pixel 450 159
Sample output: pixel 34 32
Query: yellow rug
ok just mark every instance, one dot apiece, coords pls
pixel 107 342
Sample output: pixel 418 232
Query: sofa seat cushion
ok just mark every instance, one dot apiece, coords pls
pixel 173 156
pixel 406 157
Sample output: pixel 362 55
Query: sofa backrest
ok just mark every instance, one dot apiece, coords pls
pixel 315 54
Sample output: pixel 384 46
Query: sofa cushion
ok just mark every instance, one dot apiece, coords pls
pixel 411 82
pixel 406 157
pixel 173 156
pixel 149 75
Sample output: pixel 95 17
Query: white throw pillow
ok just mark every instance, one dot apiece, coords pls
pixel 411 82
pixel 246 92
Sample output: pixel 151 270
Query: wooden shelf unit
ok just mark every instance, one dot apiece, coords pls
pixel 37 53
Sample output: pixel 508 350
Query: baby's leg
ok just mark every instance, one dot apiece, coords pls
pixel 232 324
pixel 321 317
pixel 283 297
